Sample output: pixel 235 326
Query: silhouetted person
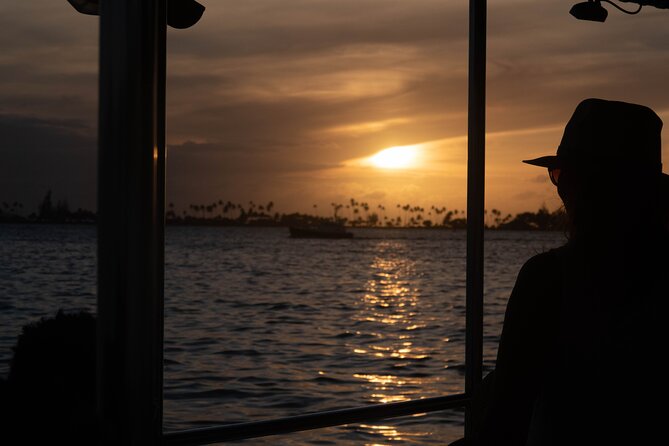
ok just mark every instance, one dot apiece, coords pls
pixel 49 394
pixel 583 337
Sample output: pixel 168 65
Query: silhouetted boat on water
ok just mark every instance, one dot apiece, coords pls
pixel 320 230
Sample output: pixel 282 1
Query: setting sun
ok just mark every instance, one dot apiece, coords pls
pixel 400 157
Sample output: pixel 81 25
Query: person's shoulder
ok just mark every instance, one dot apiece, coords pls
pixel 537 284
pixel 545 262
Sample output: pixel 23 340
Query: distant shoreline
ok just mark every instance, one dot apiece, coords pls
pixel 352 214
pixel 258 226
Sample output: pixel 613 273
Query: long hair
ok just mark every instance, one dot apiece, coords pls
pixel 609 204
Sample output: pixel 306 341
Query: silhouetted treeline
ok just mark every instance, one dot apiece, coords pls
pixel 352 213
pixel 543 220
pixel 47 212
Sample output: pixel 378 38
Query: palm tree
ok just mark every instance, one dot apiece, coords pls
pixel 229 205
pixel 447 218
pixel 365 207
pixel 382 210
pixel 406 209
pixel 496 217
pixel 354 208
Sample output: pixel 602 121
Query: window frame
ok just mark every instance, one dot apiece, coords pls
pixel 131 207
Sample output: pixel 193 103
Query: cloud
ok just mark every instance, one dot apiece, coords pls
pixel 37 155
pixel 272 97
pixel 294 28
pixel 49 59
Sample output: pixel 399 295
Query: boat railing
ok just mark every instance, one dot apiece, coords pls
pixel 240 431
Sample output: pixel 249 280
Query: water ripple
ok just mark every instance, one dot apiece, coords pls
pixel 260 326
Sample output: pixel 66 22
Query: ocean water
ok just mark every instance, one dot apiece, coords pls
pixel 259 325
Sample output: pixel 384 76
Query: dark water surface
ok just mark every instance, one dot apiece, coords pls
pixel 259 325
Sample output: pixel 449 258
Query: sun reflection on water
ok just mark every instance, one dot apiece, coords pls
pixel 391 303
pixel 390 433
pixel 398 334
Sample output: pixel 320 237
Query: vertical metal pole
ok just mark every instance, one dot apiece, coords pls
pixel 131 221
pixel 475 201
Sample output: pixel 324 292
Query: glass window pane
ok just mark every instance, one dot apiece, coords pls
pixel 48 126
pixel 294 115
pixel 541 63
pixel 250 339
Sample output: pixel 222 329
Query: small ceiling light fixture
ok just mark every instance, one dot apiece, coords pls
pixel 88 7
pixel 591 10
pixel 181 14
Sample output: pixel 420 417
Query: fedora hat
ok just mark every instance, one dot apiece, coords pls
pixel 608 133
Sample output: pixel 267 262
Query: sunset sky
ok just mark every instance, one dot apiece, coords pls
pixel 288 100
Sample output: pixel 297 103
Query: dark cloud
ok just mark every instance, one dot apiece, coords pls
pixel 235 173
pixel 48 64
pixel 298 27
pixel 37 155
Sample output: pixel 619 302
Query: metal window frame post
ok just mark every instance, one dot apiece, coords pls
pixel 131 196
pixel 475 203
